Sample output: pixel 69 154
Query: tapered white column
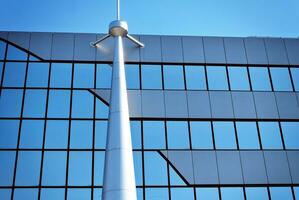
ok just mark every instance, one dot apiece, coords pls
pixel 119 178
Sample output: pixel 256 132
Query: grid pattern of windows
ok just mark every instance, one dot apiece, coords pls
pixel 53 131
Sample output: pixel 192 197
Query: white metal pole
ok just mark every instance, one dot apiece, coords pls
pixel 119 178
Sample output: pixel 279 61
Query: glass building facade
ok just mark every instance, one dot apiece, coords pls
pixel 211 118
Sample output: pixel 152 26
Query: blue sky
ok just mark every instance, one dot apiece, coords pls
pixel 277 18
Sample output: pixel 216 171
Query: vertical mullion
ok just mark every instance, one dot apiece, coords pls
pixel 249 79
pixel 93 135
pixel 281 135
pixel 291 78
pixel 142 152
pixel 270 78
pixel 236 135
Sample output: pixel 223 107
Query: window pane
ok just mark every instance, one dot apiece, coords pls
pixel 259 193
pixel 82 106
pixel 1 69
pixel 217 78
pixel 99 161
pixel 138 167
pixel 59 103
pixel 80 168
pixel 182 193
pixel 54 168
pixel 155 169
pixel 224 134
pixel 2 50
pixel 279 193
pixel 259 77
pixel 14 74
pixel 25 194
pixel 104 75
pixel 81 134
pixel 139 193
pixel 28 168
pixel 50 194
pixel 201 135
pixel 10 103
pixel 207 193
pixel 5 194
pixel 132 76
pixel 9 133
pixel 270 135
pixel 14 53
pixel 37 75
pixel 76 194
pixel 295 77
pixel 247 135
pixel 175 179
pixel 32 133
pixel 238 78
pixel 156 193
pixel 61 75
pixel 97 193
pixel 296 190
pixel 84 76
pixel 290 131
pixel 232 193
pixel 35 103
pixel 136 134
pixel 154 134
pixel 151 77
pixel 101 133
pixel 102 110
pixel 7 167
pixel 177 135
pixel 173 77
pixel 57 134
pixel 281 79
pixel 195 78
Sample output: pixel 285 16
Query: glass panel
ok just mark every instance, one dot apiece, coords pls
pixel 279 193
pixel 281 79
pixel 217 78
pixel 290 131
pixel 1 69
pixel 224 133
pixel 28 168
pixel 173 77
pixel 37 75
pixel 154 134
pixel 61 75
pixel 101 133
pixel 2 50
pixel 5 194
pixel 175 179
pixel 99 160
pixel 14 53
pixel 195 78
pixel 7 167
pixel 104 75
pixel 156 193
pixel 25 194
pixel 80 168
pixel 238 78
pixel 132 76
pixel 14 74
pixel 102 110
pixel 151 77
pixel 9 133
pixel 295 77
pixel 139 194
pixel 138 167
pixel 83 76
pixel 296 191
pixel 232 193
pixel 35 103
pixel 260 80
pixel 247 135
pixel 259 193
pixel 50 194
pixel 201 135
pixel 10 103
pixel 32 134
pixel 270 135
pixel 81 134
pixel 59 103
pixel 82 105
pixel 57 134
pixel 97 193
pixel 182 193
pixel 207 193
pixel 155 169
pixel 136 134
pixel 177 135
pixel 76 194
pixel 54 168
